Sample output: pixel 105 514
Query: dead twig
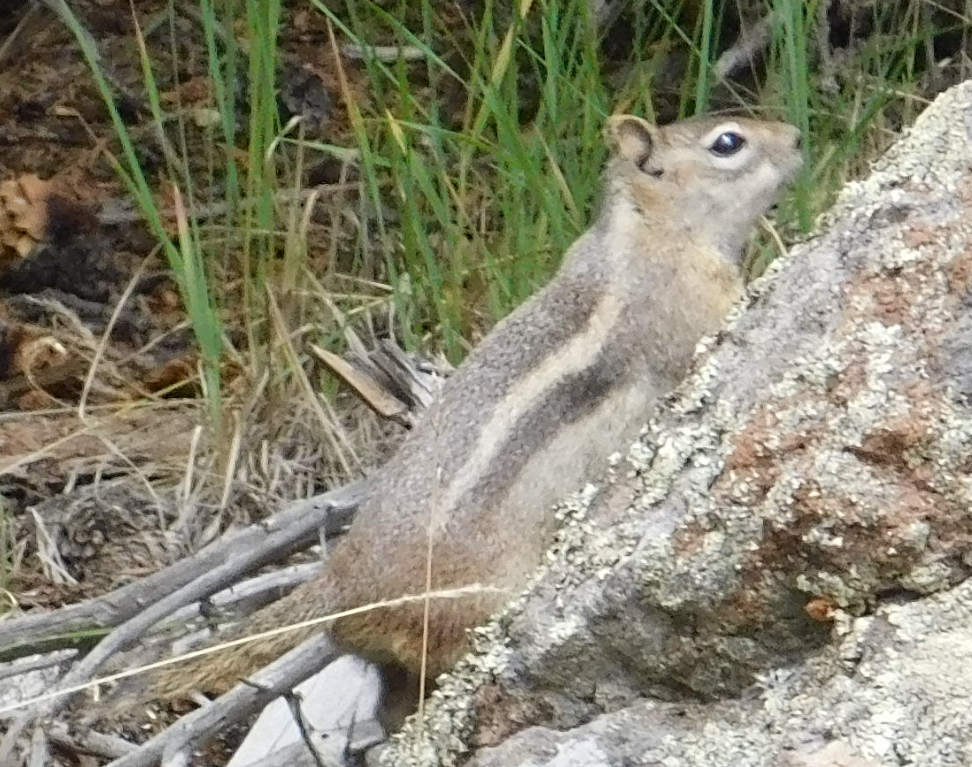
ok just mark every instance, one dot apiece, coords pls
pixel 385 378
pixel 278 537
pixel 89 742
pixel 749 43
pixel 113 213
pixel 363 736
pixel 125 635
pixel 240 702
pixel 304 727
pixel 243 597
pixel 251 594
pixel 8 670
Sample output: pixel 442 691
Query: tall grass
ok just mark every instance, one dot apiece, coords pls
pixel 486 204
pixel 185 257
pixel 479 165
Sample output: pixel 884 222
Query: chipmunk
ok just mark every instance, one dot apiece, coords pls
pixel 539 403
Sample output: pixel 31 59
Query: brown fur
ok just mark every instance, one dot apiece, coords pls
pixel 539 404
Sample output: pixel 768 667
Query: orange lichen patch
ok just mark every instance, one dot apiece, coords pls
pixel 889 444
pixel 918 237
pixel 847 384
pixel 760 448
pixel 847 535
pixel 883 520
pixel 890 297
pixel 821 609
pixel 750 461
pixel 842 531
pixel 745 607
pixel 750 450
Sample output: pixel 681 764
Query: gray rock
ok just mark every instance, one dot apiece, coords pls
pixel 893 691
pixel 772 575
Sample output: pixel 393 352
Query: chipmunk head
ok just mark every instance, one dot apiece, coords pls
pixel 713 177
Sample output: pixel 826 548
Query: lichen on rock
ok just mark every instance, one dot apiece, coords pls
pixel 772 571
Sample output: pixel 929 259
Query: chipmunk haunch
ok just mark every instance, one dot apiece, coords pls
pixel 540 403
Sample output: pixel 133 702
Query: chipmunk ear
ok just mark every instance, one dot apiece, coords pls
pixel 632 138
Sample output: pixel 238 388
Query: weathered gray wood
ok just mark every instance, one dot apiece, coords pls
pixel 253 593
pixel 332 700
pixel 242 701
pixel 87 742
pixel 236 562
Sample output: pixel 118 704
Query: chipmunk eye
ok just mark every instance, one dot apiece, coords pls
pixel 727 144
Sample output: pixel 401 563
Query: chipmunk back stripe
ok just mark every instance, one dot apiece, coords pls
pixel 575 356
pixel 569 400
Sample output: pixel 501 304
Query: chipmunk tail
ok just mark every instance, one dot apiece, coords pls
pixel 230 658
